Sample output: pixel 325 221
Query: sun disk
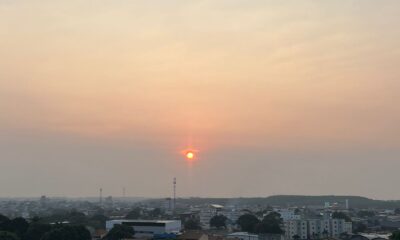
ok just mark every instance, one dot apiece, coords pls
pixel 189 155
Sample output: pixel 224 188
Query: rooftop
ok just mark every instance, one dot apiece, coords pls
pixel 142 221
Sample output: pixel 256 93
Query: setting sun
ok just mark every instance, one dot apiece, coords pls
pixel 189 155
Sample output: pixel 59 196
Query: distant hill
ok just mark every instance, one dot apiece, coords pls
pixel 294 200
pixel 354 201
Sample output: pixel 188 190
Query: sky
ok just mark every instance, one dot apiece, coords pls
pixel 276 97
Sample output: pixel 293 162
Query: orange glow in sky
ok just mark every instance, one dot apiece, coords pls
pixel 189 154
pixel 190 88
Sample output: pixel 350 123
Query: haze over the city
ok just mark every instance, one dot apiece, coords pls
pixel 275 97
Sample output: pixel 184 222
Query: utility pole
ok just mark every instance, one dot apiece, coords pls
pixel 174 201
pixel 101 197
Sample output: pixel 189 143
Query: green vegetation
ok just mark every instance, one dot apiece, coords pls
pixel 359 227
pixel 97 221
pixel 74 217
pixel 248 222
pixel 134 214
pixel 271 223
pixel 37 230
pixel 341 215
pixel 296 237
pixel 192 224
pixel 120 231
pixel 218 221
pixel 4 235
pixel 16 226
pixel 156 213
pixel 66 232
pixel 20 229
pixel 395 235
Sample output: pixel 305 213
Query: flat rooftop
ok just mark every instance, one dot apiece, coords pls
pixel 241 234
pixel 142 221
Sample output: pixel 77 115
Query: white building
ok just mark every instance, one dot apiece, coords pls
pixel 316 228
pixel 147 228
pixel 348 227
pixel 296 227
pixel 242 236
pixel 287 214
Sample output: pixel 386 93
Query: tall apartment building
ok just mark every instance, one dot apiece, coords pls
pixel 316 228
pixel 296 228
pixel 287 214
pixel 207 213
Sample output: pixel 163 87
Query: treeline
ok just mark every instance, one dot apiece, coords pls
pixel 270 223
pixel 95 221
pixel 68 225
pixel 20 229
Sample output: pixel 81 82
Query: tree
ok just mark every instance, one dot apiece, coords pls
pixel 359 227
pixel 97 221
pixel 17 225
pixel 3 219
pixel 35 219
pixel 4 235
pixel 120 231
pixel 155 213
pixel 296 237
pixel 218 221
pixel 248 222
pixel 66 232
pixel 59 234
pixel 325 233
pixel 395 235
pixel 82 233
pixel 271 223
pixel 344 236
pixel 37 230
pixel 192 224
pixel 259 214
pixel 314 235
pixel 341 215
pixel 134 214
pixel 78 218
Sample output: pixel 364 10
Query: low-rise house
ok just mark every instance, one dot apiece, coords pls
pixel 242 236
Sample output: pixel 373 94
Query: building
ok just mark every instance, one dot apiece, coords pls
pixel 296 228
pixel 348 227
pixel 316 228
pixel 148 228
pixel 207 213
pixel 288 214
pixel 242 236
pixel 370 236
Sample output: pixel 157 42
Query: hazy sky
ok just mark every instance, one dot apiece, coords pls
pixel 278 97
